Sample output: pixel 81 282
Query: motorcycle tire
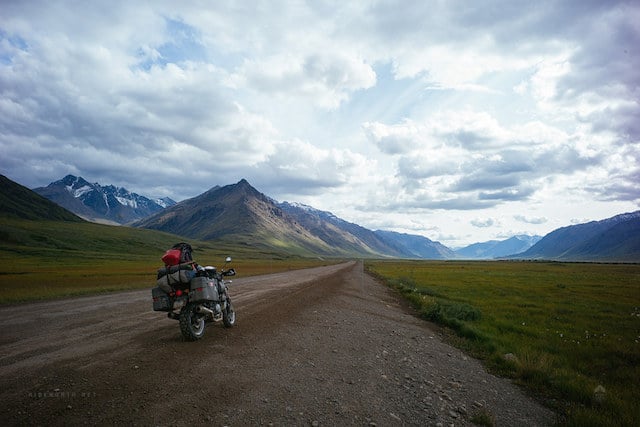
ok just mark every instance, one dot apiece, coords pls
pixel 229 315
pixel 192 323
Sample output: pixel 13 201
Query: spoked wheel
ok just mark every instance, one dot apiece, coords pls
pixel 192 323
pixel 229 315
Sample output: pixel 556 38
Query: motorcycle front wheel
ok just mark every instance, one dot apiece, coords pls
pixel 229 315
pixel 192 323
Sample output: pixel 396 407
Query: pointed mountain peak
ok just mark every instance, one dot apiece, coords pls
pixel 71 181
pixel 241 189
pixel 244 187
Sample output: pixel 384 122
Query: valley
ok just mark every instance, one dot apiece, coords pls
pixel 110 341
pixel 326 346
pixel 240 213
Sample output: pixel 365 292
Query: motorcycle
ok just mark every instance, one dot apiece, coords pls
pixel 203 299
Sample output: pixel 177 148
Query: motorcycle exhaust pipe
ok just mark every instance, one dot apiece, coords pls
pixel 200 309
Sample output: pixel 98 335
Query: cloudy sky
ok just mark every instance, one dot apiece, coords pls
pixel 462 121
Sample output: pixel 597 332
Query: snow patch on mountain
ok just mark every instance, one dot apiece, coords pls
pixel 131 202
pixel 79 192
pixel 165 202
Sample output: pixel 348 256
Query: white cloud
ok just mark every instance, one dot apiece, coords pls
pixel 530 220
pixel 404 113
pixel 469 157
pixel 483 223
pixel 298 167
pixel 394 139
pixel 323 80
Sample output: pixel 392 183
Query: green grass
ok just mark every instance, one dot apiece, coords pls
pixel 42 260
pixel 570 327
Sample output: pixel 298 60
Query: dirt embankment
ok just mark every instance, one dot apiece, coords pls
pixel 324 346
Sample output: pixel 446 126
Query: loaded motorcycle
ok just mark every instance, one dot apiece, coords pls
pixel 195 296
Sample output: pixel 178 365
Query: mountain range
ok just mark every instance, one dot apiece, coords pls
pixel 612 239
pixel 498 248
pixel 108 204
pixel 240 214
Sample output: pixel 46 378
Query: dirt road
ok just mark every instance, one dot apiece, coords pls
pixel 324 346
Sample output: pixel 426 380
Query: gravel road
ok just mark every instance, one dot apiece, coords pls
pixel 318 347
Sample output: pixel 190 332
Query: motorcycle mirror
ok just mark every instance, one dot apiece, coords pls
pixel 228 259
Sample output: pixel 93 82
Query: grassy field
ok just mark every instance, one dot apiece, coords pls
pixel 570 332
pixel 44 259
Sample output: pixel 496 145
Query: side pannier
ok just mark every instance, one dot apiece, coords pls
pixel 175 276
pixel 203 289
pixel 161 301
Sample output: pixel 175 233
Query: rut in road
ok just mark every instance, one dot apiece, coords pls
pixel 336 348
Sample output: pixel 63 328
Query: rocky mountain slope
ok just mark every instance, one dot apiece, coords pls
pixel 336 232
pixel 240 212
pixel 237 213
pixel 413 246
pixel 98 203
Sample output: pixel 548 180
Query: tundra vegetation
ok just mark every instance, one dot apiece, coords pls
pixel 569 332
pixel 51 259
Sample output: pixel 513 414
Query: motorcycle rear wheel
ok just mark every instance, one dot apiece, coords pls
pixel 192 323
pixel 229 315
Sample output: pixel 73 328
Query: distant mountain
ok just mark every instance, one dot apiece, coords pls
pixel 17 201
pixel 413 246
pixel 337 232
pixel 497 248
pixel 613 239
pixel 99 203
pixel 241 213
pixel 165 202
